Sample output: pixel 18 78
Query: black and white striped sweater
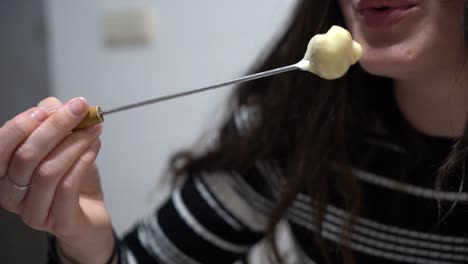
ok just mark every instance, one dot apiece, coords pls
pixel 217 219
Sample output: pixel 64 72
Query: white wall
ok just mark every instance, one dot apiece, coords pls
pixel 199 43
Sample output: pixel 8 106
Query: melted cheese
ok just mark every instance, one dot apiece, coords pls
pixel 330 55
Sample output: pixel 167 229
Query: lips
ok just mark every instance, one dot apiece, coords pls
pixel 385 13
pixel 383 4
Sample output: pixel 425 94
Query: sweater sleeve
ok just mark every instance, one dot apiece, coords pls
pixel 209 219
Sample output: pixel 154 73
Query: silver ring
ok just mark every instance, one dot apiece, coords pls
pixel 17 186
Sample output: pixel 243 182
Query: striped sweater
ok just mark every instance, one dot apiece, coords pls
pixel 218 218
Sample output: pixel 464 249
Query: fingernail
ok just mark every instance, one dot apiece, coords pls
pixel 39 114
pixel 78 106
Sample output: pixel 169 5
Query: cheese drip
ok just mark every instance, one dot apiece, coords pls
pixel 330 55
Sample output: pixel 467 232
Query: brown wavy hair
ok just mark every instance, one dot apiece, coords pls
pixel 310 123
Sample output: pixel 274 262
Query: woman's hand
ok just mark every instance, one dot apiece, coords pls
pixel 48 176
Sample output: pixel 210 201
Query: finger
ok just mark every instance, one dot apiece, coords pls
pixel 15 131
pixel 51 104
pixel 66 212
pixel 45 138
pixel 48 174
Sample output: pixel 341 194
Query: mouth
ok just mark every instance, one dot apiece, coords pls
pixel 380 14
pixel 385 8
pixel 385 4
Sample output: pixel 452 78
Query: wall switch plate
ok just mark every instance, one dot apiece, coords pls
pixel 129 27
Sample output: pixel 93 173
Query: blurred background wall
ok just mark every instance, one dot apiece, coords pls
pixel 187 44
pixel 24 73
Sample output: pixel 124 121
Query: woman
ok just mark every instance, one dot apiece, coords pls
pixel 351 164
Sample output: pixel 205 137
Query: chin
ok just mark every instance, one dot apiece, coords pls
pixel 377 69
pixel 389 65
